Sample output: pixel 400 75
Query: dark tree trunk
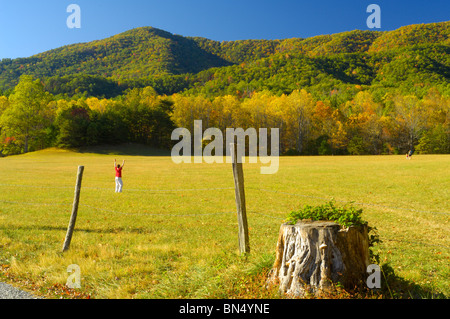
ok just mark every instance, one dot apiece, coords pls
pixel 25 148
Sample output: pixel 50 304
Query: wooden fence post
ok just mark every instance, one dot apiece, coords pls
pixel 73 217
pixel 244 244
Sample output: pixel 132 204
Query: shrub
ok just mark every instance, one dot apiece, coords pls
pixel 345 216
pixel 10 146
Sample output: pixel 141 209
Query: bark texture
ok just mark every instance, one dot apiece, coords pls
pixel 312 256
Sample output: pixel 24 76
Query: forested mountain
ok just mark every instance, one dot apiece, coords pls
pixel 356 92
pixel 133 54
pixel 432 33
pixel 173 63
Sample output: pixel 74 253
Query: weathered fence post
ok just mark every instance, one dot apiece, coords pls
pixel 244 244
pixel 73 217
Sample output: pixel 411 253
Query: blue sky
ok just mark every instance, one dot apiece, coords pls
pixel 28 27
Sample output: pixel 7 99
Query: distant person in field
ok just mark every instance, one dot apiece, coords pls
pixel 409 154
pixel 119 182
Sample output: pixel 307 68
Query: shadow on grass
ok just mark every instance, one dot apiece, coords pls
pixel 392 285
pixel 395 287
pixel 115 230
pixel 129 149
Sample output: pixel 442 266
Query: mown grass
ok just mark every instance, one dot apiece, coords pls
pixel 172 233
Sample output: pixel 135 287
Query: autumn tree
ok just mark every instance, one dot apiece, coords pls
pixel 411 118
pixel 28 113
pixel 364 125
pixel 226 111
pixel 436 138
pixel 298 115
pixel 323 127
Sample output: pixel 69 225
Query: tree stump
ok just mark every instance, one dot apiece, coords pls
pixel 313 256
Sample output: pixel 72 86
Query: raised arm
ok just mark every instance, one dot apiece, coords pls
pixel 123 163
pixel 115 163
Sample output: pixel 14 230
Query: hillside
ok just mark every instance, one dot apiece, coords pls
pixel 417 34
pixel 417 54
pixel 133 54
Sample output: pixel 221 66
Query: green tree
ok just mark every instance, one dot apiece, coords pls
pixel 73 124
pixel 434 141
pixel 28 114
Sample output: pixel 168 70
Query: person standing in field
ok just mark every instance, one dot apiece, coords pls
pixel 409 154
pixel 119 182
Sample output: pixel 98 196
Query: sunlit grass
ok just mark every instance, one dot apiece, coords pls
pixel 173 234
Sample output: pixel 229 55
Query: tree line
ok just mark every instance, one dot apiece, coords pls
pixel 31 119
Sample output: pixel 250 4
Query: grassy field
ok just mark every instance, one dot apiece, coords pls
pixel 172 233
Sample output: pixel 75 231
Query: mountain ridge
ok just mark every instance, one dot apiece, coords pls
pixel 174 63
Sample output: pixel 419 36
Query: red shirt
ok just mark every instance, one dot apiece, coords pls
pixel 118 172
